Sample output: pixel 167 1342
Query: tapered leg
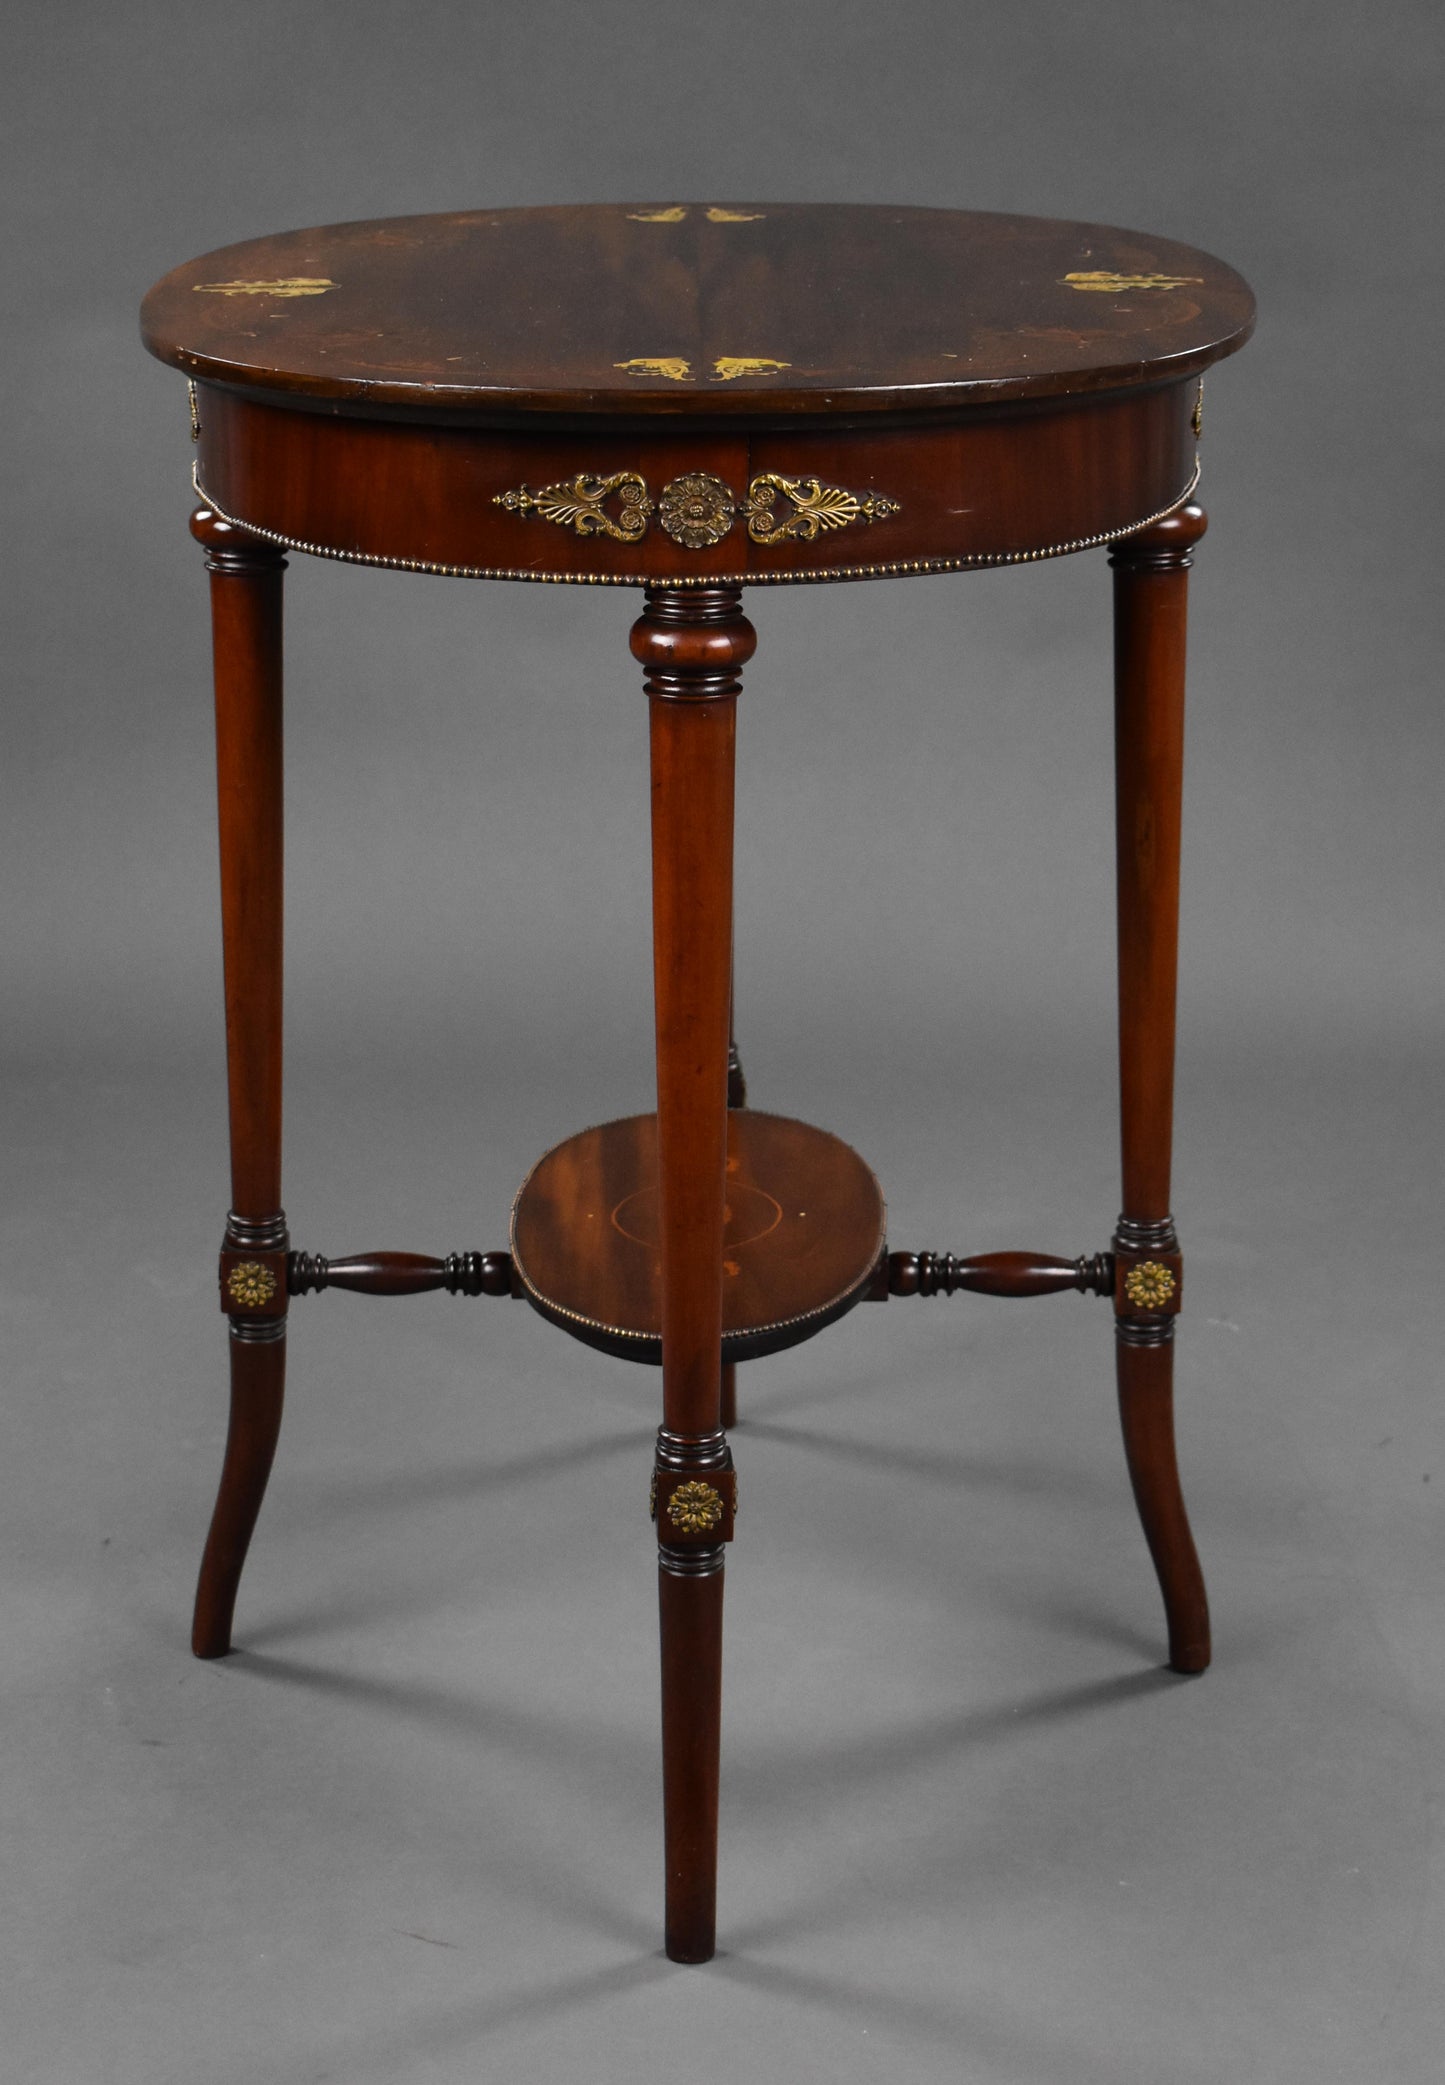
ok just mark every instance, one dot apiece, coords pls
pixel 246 581
pixel 258 1378
pixel 1150 611
pixel 1146 1411
pixel 737 1098
pixel 690 1609
pixel 693 643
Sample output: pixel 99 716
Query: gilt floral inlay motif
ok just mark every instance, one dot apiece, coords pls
pixel 675 368
pixel 730 367
pixel 674 213
pixel 279 286
pixel 1105 279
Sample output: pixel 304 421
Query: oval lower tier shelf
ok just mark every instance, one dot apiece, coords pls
pixel 803 1234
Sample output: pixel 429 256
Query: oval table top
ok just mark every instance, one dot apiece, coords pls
pixel 696 310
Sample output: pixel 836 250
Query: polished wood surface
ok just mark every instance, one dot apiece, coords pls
pixel 1151 597
pixel 1151 605
pixel 402 1273
pixel 870 390
pixel 691 398
pixel 1013 1274
pixel 246 594
pixel 646 310
pixel 693 647
pixel 803 1230
pixel 690 1611
pixel 984 486
pixel 246 588
pixel 1146 1417
pixel 258 1387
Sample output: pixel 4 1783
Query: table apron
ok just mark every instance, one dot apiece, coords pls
pixel 696 508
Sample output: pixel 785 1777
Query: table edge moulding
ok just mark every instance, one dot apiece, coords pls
pixel 691 399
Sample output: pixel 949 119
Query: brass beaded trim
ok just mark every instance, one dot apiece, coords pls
pixel 577 1317
pixel 904 568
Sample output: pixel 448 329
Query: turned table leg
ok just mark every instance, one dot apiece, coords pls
pixel 737 1098
pixel 246 584
pixel 693 643
pixel 1151 588
pixel 737 1083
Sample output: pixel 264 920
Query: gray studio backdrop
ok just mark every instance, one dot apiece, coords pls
pixel 924 941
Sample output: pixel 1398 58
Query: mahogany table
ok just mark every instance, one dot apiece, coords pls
pixel 691 399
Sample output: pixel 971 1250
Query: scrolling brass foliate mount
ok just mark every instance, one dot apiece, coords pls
pixel 578 503
pixel 697 509
pixel 814 506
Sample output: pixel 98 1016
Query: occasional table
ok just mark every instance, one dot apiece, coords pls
pixel 692 398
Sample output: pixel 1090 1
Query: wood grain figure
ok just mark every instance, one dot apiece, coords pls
pixel 691 398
